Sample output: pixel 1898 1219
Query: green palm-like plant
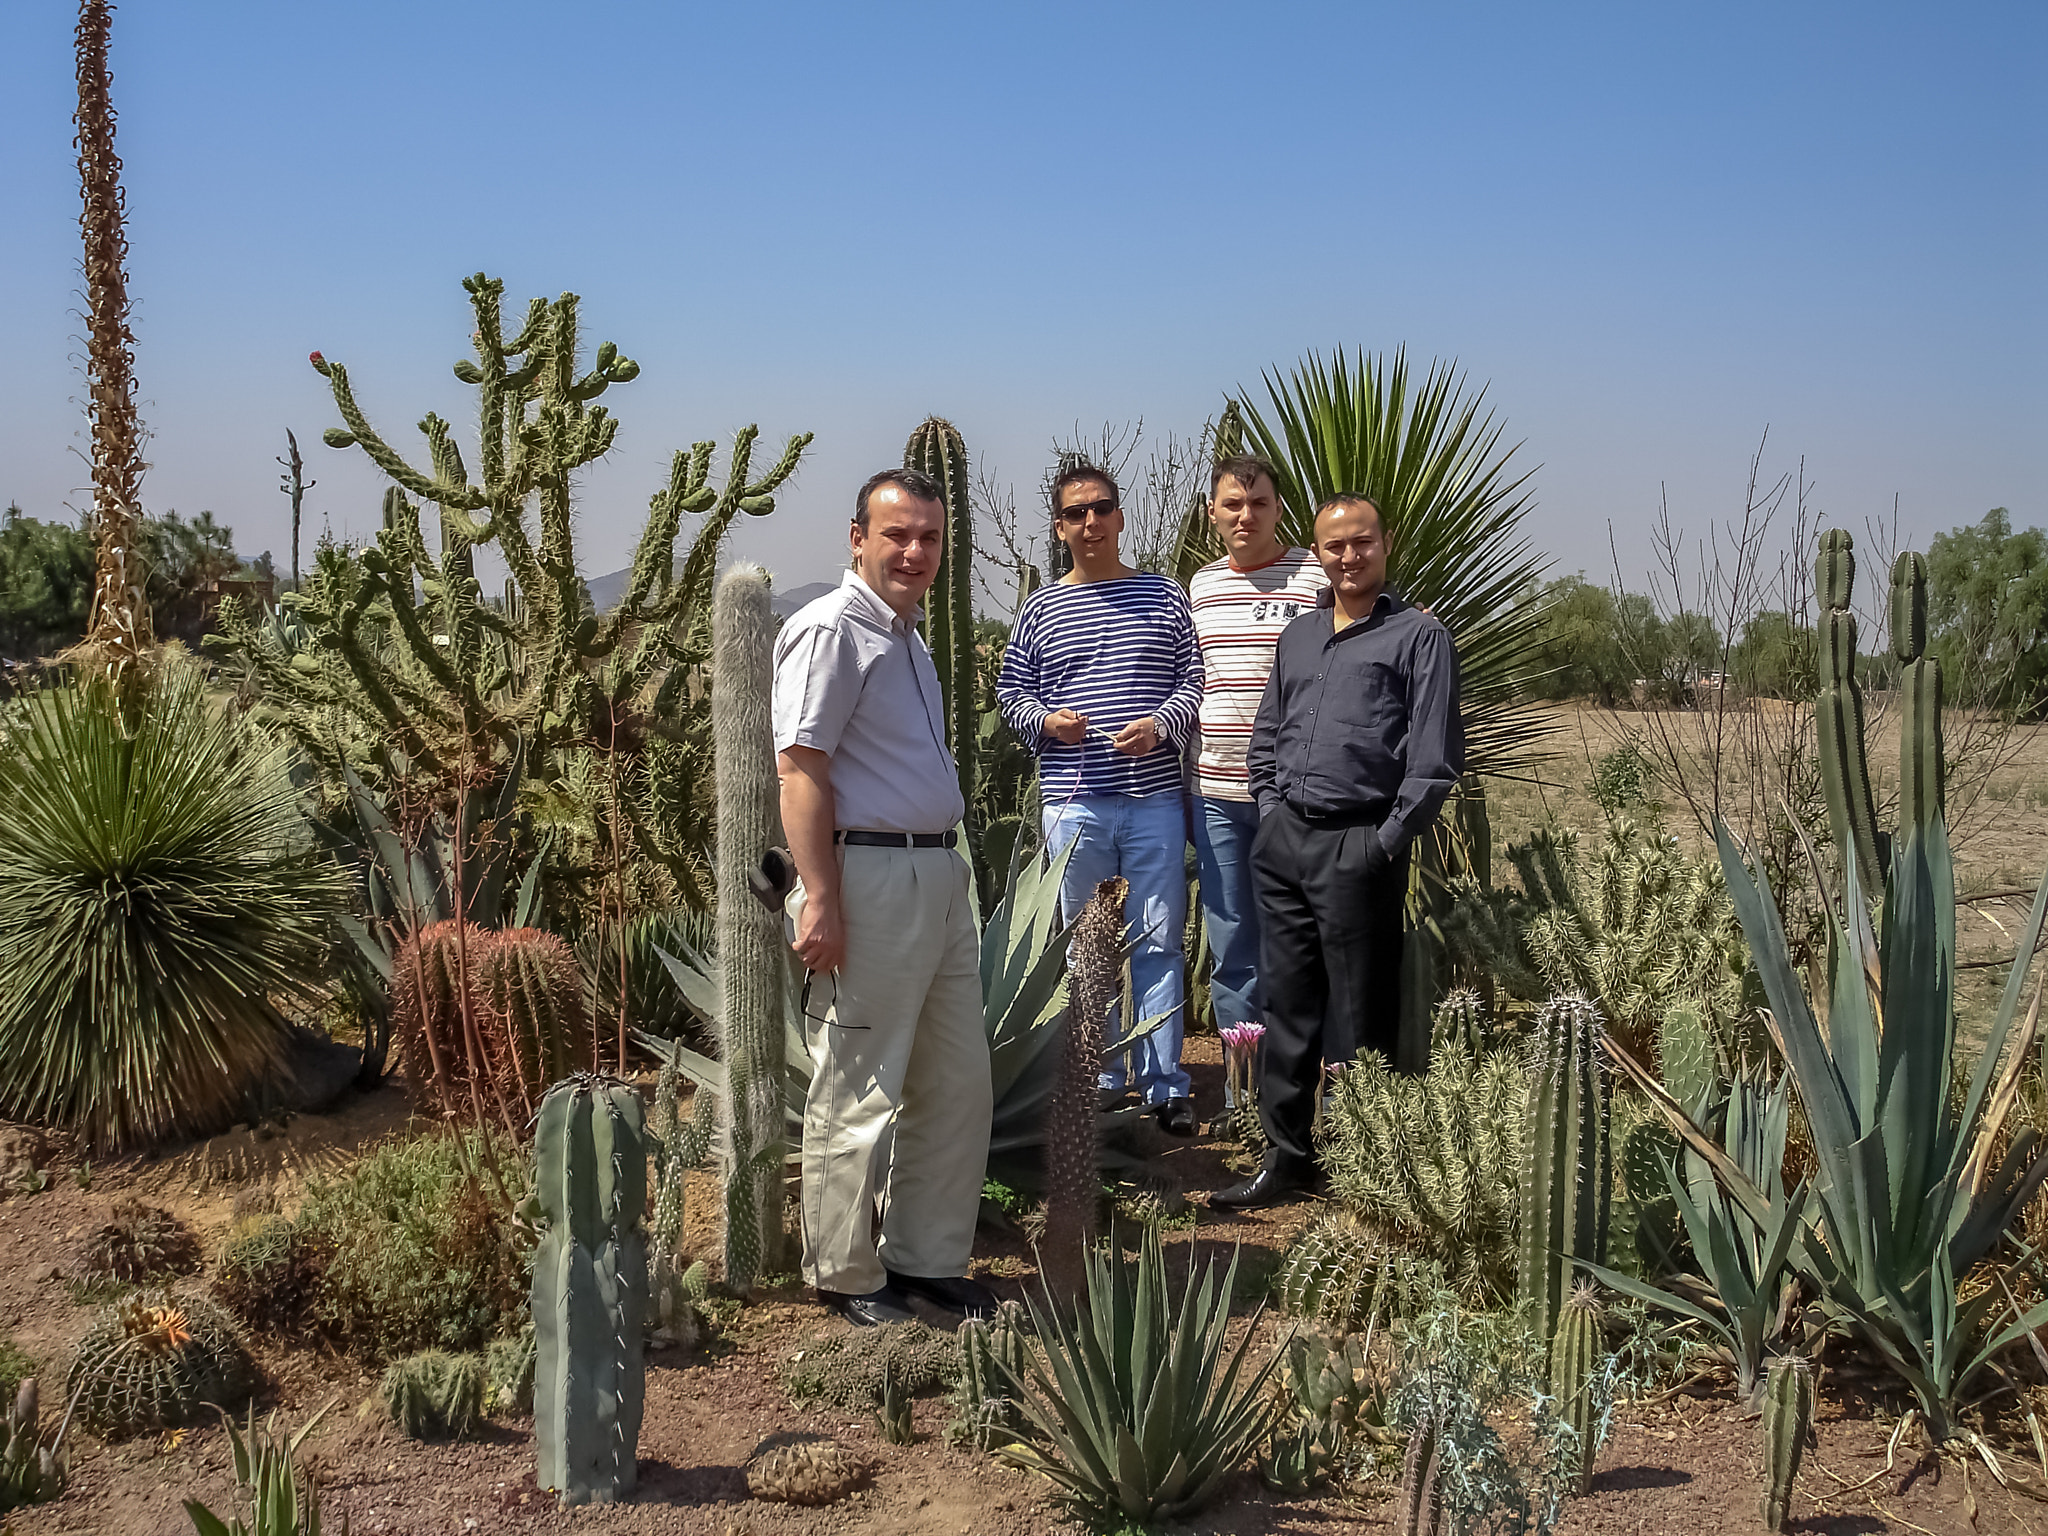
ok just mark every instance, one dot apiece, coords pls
pixel 160 895
pixel 1132 1408
pixel 1434 466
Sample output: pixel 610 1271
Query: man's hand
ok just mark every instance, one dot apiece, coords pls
pixel 821 936
pixel 1137 738
pixel 1064 725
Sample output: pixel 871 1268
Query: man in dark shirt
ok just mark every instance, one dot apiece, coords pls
pixel 1355 745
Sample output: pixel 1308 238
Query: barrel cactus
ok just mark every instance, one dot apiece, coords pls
pixel 1787 1424
pixel 1567 1172
pixel 156 1361
pixel 434 1395
pixel 589 1289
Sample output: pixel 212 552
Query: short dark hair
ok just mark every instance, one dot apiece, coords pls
pixel 1245 469
pixel 1075 473
pixel 1353 499
pixel 915 483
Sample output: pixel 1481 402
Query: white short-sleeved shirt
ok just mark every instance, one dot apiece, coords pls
pixel 856 682
pixel 1238 619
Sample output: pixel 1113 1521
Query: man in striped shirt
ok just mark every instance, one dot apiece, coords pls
pixel 1241 603
pixel 1102 679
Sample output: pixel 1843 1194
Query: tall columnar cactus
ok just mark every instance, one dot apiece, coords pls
pixel 1419 1510
pixel 1574 1366
pixel 1922 774
pixel 680 1146
pixel 937 448
pixel 1787 1423
pixel 1073 1181
pixel 589 1289
pixel 1838 713
pixel 749 940
pixel 1567 1173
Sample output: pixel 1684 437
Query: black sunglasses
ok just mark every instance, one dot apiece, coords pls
pixel 1079 512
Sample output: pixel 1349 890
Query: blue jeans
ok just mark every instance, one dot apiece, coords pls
pixel 1224 830
pixel 1144 839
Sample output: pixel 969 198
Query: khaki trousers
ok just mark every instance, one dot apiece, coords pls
pixel 903 1048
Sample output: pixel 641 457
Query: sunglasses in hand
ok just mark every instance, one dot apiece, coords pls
pixel 1079 512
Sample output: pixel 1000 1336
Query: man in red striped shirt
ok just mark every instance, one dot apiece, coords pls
pixel 1241 603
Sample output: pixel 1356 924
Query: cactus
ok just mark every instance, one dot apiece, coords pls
pixel 532 995
pixel 893 1412
pixel 30 1472
pixel 1419 1509
pixel 749 939
pixel 798 1468
pixel 991 1355
pixel 680 1146
pixel 589 1289
pixel 140 1240
pixel 937 449
pixel 1575 1362
pixel 1461 1023
pixel 1838 714
pixel 434 1395
pixel 1922 774
pixel 1567 1175
pixel 266 1273
pixel 1787 1424
pixel 1686 1057
pixel 1073 1183
pixel 508 1373
pixel 154 1362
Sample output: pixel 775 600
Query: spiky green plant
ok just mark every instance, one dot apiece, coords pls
pixel 1786 1425
pixel 434 1395
pixel 1329 1390
pixel 154 1361
pixel 589 1290
pixel 893 1412
pixel 139 1240
pixel 1419 1502
pixel 1461 1023
pixel 937 448
pixel 508 1373
pixel 1923 774
pixel 1339 1272
pixel 30 1472
pixel 984 1416
pixel 1429 1164
pixel 1567 1172
pixel 284 1499
pixel 848 1370
pixel 267 1274
pixel 1434 466
pixel 1838 713
pixel 1073 1180
pixel 159 899
pixel 1575 1356
pixel 1133 1405
pixel 680 1147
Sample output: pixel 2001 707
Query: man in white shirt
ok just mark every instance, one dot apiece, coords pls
pixel 1241 603
pixel 885 922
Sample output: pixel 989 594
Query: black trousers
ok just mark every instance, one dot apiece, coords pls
pixel 1329 963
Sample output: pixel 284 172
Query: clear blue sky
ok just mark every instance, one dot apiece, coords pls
pixel 1654 230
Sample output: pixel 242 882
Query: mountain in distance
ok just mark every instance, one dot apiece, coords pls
pixel 605 592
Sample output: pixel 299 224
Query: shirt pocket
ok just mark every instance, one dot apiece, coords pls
pixel 1373 696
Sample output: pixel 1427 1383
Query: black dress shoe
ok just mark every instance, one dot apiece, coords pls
pixel 954 1293
pixel 1176 1117
pixel 1274 1184
pixel 875 1309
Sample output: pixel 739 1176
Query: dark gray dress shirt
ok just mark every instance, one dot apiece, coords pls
pixel 1360 722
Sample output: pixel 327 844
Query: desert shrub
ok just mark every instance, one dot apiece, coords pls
pixel 140 1240
pixel 159 897
pixel 846 1371
pixel 267 1274
pixel 418 1247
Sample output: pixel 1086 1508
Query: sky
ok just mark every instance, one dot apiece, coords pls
pixel 1652 234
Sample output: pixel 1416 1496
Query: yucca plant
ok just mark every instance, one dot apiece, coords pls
pixel 1435 467
pixel 159 898
pixel 1134 1406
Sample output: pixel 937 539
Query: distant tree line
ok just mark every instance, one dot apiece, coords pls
pixel 1987 617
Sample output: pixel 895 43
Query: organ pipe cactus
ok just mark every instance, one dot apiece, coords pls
pixel 1838 713
pixel 1922 775
pixel 749 938
pixel 1787 1424
pixel 589 1289
pixel 1072 1181
pixel 937 448
pixel 1567 1174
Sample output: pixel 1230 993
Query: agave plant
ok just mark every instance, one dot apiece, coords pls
pixel 1435 468
pixel 283 1499
pixel 1135 1407
pixel 160 896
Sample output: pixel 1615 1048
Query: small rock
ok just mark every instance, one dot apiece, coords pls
pixel 46 1272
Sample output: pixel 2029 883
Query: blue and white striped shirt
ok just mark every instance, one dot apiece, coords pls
pixel 1115 651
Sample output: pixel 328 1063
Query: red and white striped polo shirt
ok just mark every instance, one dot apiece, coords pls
pixel 1238 619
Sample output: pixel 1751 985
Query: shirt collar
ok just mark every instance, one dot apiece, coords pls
pixel 1389 600
pixel 871 606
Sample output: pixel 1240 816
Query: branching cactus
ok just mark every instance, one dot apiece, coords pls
pixel 991 1356
pixel 1787 1423
pixel 589 1289
pixel 1567 1174
pixel 749 940
pixel 1922 774
pixel 680 1146
pixel 1575 1358
pixel 936 448
pixel 1838 713
pixel 1072 1178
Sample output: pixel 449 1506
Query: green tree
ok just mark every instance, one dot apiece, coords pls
pixel 1987 608
pixel 45 586
pixel 1774 658
pixel 185 562
pixel 1579 646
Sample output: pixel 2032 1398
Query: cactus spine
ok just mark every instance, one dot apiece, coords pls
pixel 1567 1174
pixel 1574 1359
pixel 1787 1422
pixel 589 1289
pixel 154 1362
pixel 1922 774
pixel 1838 714
pixel 937 448
pixel 1072 1181
pixel 1420 1510
pixel 749 943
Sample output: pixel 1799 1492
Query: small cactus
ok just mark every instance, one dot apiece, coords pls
pixel 1419 1507
pixel 893 1412
pixel 508 1373
pixel 434 1395
pixel 30 1472
pixel 1073 1183
pixel 1787 1424
pixel 156 1362
pixel 1575 1354
pixel 140 1240
pixel 797 1468
pixel 1567 1173
pixel 1686 1058
pixel 1460 1022
pixel 992 1355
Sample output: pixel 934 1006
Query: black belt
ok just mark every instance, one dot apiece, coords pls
pixel 1363 816
pixel 898 839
